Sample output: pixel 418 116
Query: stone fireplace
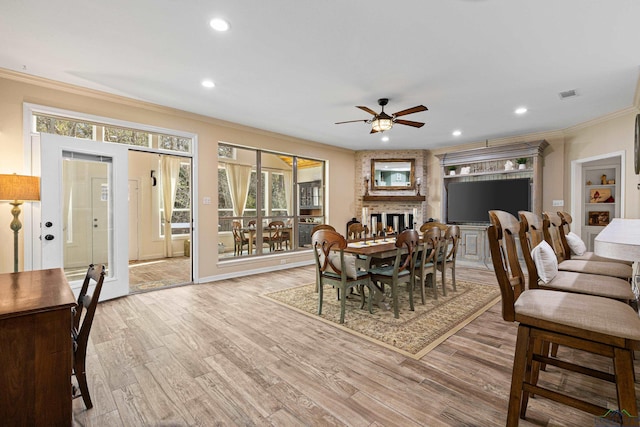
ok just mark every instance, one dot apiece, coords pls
pixel 399 204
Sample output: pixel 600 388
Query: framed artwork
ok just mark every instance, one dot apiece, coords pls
pixel 600 195
pixel 598 217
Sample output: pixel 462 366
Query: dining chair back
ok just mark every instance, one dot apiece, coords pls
pixel 402 270
pixel 427 261
pixel 612 329
pixel 82 320
pixel 276 236
pixel 430 224
pixel 322 227
pixel 239 238
pixel 337 269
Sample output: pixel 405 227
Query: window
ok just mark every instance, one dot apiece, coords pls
pixel 126 136
pixel 278 205
pixel 66 127
pixel 226 152
pixel 181 216
pixel 238 201
pixel 174 143
pixel 47 123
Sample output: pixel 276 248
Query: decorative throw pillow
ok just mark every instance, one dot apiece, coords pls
pixel 349 263
pixel 545 260
pixel 576 244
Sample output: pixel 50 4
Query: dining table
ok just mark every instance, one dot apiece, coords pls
pixel 620 239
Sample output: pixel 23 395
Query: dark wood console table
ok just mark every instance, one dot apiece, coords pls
pixel 36 348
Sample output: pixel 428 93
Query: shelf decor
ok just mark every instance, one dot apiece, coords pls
pixel 598 217
pixel 600 195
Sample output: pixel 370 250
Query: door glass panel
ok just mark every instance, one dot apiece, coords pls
pixel 86 215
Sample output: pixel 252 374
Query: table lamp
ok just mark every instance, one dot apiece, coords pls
pixel 16 189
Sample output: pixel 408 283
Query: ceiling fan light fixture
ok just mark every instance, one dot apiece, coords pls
pixel 380 125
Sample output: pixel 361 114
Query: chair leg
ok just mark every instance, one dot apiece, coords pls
pixel 411 285
pixel 81 376
pixel 394 296
pixel 319 297
pixel 444 277
pixel 453 276
pixel 343 305
pixel 517 376
pixel 423 280
pixel 625 384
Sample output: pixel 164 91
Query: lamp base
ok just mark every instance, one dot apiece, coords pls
pixel 15 226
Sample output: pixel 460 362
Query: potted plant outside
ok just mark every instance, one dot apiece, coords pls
pixel 522 162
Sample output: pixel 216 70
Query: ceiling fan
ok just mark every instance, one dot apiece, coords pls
pixel 382 121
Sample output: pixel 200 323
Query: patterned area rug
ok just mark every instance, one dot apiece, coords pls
pixel 415 333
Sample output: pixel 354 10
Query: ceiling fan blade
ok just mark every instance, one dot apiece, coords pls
pixel 367 109
pixel 351 121
pixel 373 131
pixel 410 123
pixel 415 109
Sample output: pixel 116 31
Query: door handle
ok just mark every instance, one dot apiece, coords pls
pixel 49 237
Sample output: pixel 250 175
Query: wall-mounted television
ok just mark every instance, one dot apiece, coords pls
pixel 470 202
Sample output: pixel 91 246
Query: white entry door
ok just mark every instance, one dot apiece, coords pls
pixel 84 210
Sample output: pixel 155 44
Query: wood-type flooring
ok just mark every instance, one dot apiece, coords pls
pixel 219 354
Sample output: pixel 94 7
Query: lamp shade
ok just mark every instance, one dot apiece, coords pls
pixel 381 124
pixel 19 187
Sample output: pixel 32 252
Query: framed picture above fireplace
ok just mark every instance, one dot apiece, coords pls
pixel 392 174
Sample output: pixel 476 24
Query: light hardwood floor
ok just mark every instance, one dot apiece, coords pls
pixel 219 354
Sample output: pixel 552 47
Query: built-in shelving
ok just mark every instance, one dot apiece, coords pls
pixel 394 198
pixel 484 173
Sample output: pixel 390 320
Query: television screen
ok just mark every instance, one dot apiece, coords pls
pixel 470 202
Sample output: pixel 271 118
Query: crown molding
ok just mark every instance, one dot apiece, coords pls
pixel 601 119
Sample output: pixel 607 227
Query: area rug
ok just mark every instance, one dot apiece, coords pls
pixel 415 333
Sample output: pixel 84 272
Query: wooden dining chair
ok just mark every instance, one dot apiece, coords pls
pixel 427 261
pixel 276 237
pixel 552 231
pixel 322 227
pixel 335 268
pixel 601 326
pixel 239 238
pixel 447 258
pixel 402 270
pixel 550 277
pixel 565 229
pixel 82 320
pixel 430 224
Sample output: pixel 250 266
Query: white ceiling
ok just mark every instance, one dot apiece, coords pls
pixel 296 67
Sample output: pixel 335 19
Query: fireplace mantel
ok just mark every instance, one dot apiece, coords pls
pixel 370 198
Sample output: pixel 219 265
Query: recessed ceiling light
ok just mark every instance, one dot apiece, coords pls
pixel 208 83
pixel 521 110
pixel 456 133
pixel 385 138
pixel 219 24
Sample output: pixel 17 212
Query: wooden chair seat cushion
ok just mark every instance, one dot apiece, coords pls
pixel 590 256
pixel 388 271
pixel 612 269
pixel 359 274
pixel 589 313
pixel 592 284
